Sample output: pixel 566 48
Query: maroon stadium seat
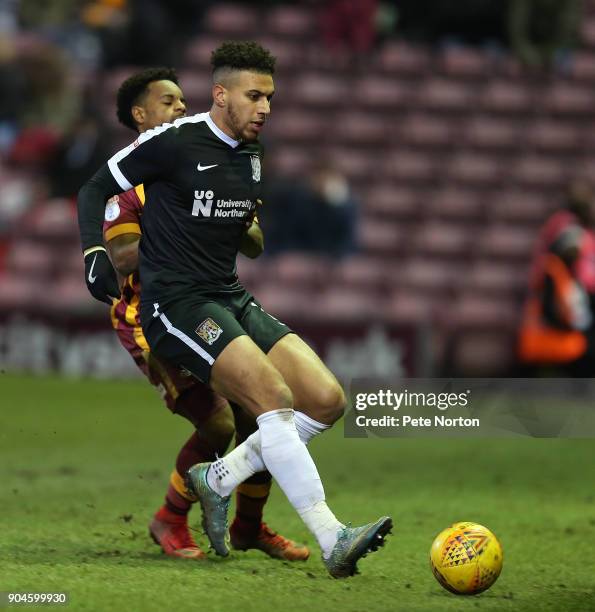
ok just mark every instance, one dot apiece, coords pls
pixel 390 200
pixel 406 166
pixel 233 20
pixel 473 169
pixel 465 62
pixel 519 207
pixel 506 242
pixel 291 21
pixel 424 130
pixel 554 137
pixel 539 172
pixel 28 258
pixel 403 59
pixel 507 97
pixel 446 95
pixel 454 203
pixel 490 133
pixel 438 238
pixel 376 92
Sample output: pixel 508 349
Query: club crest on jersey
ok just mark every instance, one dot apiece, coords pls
pixel 209 331
pixel 255 160
pixel 112 209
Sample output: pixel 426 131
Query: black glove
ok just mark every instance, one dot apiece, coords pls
pixel 100 277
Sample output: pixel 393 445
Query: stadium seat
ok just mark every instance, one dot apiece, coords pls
pixel 21 293
pixel 489 279
pixel 410 308
pixel 405 166
pixel 506 242
pixel 491 133
pixel 424 130
pixel 583 66
pixel 237 20
pixel 554 137
pixel 471 310
pixel 338 304
pixel 519 207
pixel 482 353
pixel 401 58
pixel 362 273
pixel 287 303
pixel 360 129
pixel 199 49
pixel 291 21
pixel 503 96
pixel 428 275
pixel 387 200
pixel 54 219
pixel 465 62
pixel 539 172
pixel 356 163
pixel 454 203
pixel 438 238
pixel 374 92
pixel 196 85
pixel 445 95
pixel 315 89
pixel 473 169
pixel 382 238
pixel 566 99
pixel 298 270
pixel 31 259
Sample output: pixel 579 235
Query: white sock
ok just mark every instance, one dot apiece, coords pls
pixel 243 461
pixel 288 460
pixel 246 459
pixel 323 524
pixel 307 427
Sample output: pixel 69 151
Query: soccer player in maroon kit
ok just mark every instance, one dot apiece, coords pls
pixel 147 100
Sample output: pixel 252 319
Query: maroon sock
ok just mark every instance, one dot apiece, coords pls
pixel 251 496
pixel 196 450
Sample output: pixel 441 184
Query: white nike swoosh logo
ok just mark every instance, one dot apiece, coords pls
pixel 92 278
pixel 202 168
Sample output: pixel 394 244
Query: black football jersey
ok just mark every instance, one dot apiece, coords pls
pixel 200 187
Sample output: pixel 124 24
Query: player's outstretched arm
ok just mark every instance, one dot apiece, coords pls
pixel 100 275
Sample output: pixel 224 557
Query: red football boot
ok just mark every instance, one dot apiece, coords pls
pixel 171 532
pixel 271 543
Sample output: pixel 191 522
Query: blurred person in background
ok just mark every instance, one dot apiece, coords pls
pixel 542 32
pixel 557 329
pixel 318 215
pixel 147 100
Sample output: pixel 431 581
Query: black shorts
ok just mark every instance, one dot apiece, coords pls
pixel 192 332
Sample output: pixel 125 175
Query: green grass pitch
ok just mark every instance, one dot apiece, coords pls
pixel 84 464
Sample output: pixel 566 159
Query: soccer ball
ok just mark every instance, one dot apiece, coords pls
pixel 466 558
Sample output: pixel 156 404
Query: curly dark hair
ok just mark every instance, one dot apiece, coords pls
pixel 134 87
pixel 243 55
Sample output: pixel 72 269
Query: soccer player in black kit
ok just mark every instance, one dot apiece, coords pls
pixel 202 177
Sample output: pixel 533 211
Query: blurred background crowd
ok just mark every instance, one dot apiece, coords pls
pixel 428 175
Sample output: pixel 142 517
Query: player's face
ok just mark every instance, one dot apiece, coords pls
pixel 249 104
pixel 163 103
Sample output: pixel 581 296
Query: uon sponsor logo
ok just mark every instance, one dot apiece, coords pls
pixel 203 202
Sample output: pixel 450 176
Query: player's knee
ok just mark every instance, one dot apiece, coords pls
pixel 281 395
pixel 330 403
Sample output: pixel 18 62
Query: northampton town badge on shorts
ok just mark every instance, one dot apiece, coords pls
pixel 255 159
pixel 209 331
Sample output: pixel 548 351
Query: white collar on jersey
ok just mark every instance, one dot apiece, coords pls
pixel 220 133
